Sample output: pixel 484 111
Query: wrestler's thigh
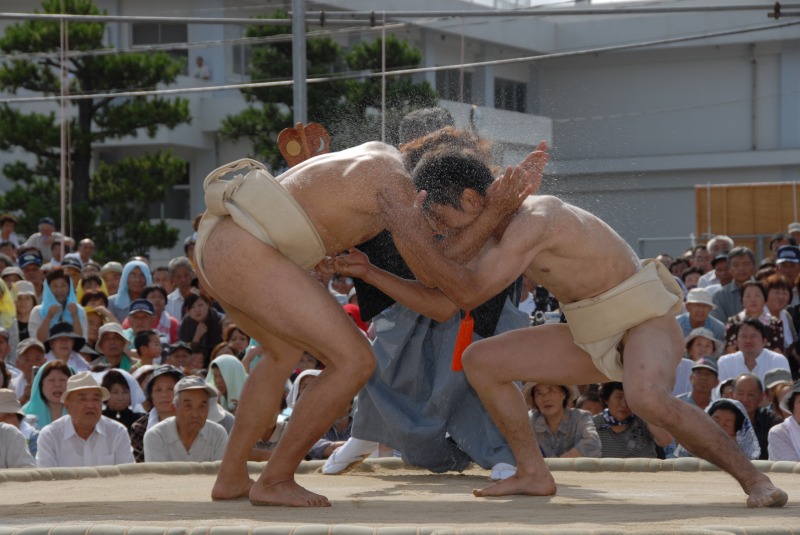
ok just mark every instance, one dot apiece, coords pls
pixel 651 355
pixel 280 298
pixel 545 354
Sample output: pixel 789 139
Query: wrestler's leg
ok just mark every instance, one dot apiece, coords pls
pixel 652 351
pixel 274 297
pixel 545 354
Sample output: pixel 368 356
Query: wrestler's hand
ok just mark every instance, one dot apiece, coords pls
pixel 354 264
pixel 506 194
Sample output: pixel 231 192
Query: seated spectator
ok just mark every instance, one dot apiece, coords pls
pixel 776 383
pixel 590 401
pixel 124 397
pixel 140 318
pixel 754 303
pixel 691 276
pixel 178 355
pixel 72 267
pixel 162 278
pixel 779 294
pixel 227 377
pixel 752 356
pixel 30 354
pixel 84 437
pixel 181 274
pixel 135 276
pixel 91 283
pixel 166 325
pixel 12 274
pixel 63 344
pixel 59 305
pixel 202 324
pixel 189 435
pixel 111 273
pixel 11 414
pixel 13 449
pixel 698 314
pixel 561 431
pixel 49 384
pixel 622 433
pixel 24 295
pixel 113 346
pixel 237 339
pixel 159 391
pixel 731 416
pixel 701 342
pixel 704 378
pixel 749 391
pixel 147 345
pixel 728 299
pixel 784 438
pixel 678 266
pixel 335 437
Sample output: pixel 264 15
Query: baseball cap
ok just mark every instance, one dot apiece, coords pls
pixel 788 253
pixel 180 344
pixel 716 259
pixel 141 305
pixel 709 363
pixel 71 262
pixel 47 221
pixel 192 382
pixel 29 258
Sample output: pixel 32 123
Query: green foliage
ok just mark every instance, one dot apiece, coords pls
pixel 95 196
pixel 349 109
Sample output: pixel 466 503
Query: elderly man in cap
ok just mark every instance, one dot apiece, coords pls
pixel 159 392
pixel 111 273
pixel 30 262
pixel 63 344
pixel 30 353
pixel 44 239
pixel 704 378
pixel 11 413
pixel 84 437
pixel 189 435
pixel 787 263
pixel 112 344
pixel 14 454
pixel 140 317
pixel 698 314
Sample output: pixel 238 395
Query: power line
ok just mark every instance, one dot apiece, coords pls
pixel 398 72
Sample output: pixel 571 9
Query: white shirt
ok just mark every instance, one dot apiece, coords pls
pixel 162 443
pixel 75 361
pixel 175 304
pixel 732 365
pixel 707 279
pixel 682 373
pixel 59 445
pixel 14 449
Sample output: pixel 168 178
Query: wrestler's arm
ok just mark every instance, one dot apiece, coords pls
pixel 496 268
pixel 503 199
pixel 429 302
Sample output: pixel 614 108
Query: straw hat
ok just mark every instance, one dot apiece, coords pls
pixel 83 381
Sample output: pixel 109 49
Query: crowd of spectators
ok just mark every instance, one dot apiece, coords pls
pixel 118 362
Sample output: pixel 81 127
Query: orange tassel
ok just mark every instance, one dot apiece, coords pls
pixel 463 340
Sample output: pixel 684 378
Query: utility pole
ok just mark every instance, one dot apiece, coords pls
pixel 299 61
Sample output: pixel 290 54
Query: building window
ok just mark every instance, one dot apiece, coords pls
pixel 448 85
pixel 177 205
pixel 146 33
pixel 510 95
pixel 241 59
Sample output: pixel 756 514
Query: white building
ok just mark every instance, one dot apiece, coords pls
pixel 633 130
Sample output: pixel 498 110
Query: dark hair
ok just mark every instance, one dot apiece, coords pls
pixel 113 377
pixel 755 324
pixel 766 270
pixel 142 338
pixel 678 261
pixel 419 123
pixel 606 389
pixel 688 271
pixel 91 277
pixel 446 138
pixel 91 295
pixel 726 405
pixel 446 175
pixel 58 273
pixel 758 285
pixel 749 376
pixel 564 389
pixel 5 375
pixel 777 282
pixel 699 247
pixel 191 299
pixel 589 395
pixel 742 251
pixel 780 237
pixel 150 288
pixel 230 329
pixel 47 369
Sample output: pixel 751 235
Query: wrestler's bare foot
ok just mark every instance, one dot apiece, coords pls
pixel 287 493
pixel 541 485
pixel 231 489
pixel 765 494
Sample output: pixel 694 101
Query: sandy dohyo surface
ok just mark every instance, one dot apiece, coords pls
pixel 388 496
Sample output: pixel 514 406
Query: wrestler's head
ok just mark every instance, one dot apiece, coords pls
pixel 456 180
